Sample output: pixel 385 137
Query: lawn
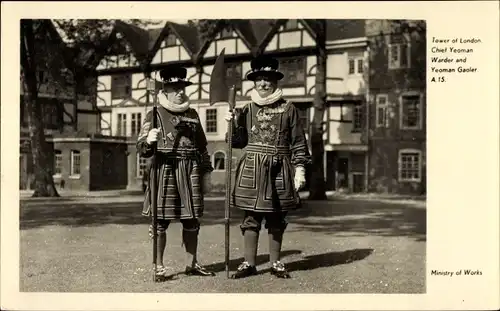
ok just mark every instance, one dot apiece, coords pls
pixel 342 246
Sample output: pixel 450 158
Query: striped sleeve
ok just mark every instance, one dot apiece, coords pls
pixel 201 142
pixel 239 138
pixel 144 149
pixel 299 147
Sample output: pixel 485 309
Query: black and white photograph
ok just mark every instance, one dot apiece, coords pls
pixel 327 156
pixel 232 149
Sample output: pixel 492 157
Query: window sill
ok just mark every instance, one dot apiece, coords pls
pixel 74 177
pixel 409 180
pixel 398 68
pixel 410 128
pixel 298 84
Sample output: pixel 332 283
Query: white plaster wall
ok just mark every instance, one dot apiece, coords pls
pixel 84 105
pixel 138 81
pixel 293 91
pixel 68 107
pixel 307 40
pixel 184 55
pixel 228 44
pixel 273 44
pixel 289 40
pixel 340 132
pixel 210 50
pixel 104 83
pixel 242 48
pixel 170 54
pixel 157 58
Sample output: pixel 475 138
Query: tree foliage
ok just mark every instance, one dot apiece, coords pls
pixel 382 172
pixel 208 28
pixel 317 182
pixel 61 59
pixel 33 52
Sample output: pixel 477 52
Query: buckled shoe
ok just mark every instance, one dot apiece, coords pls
pixel 244 270
pixel 278 270
pixel 198 270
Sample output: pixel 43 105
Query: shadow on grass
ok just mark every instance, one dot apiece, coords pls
pixel 339 217
pixel 326 260
pixel 233 264
pixel 361 218
pixel 98 214
pixel 260 260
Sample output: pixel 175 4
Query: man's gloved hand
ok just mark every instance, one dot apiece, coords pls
pixel 300 178
pixel 153 136
pixel 207 183
pixel 229 116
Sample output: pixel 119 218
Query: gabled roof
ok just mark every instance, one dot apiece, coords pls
pixel 338 29
pixel 153 35
pixel 134 102
pixel 255 33
pixel 260 28
pixel 189 37
pixel 137 37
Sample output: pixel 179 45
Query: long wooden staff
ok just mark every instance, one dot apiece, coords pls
pixel 232 103
pixel 220 93
pixel 154 180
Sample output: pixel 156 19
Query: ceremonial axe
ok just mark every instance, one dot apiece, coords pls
pixel 220 92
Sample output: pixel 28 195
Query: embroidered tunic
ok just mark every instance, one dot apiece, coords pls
pixel 274 144
pixel 182 160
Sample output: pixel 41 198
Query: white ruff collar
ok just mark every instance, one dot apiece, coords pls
pixel 272 98
pixel 165 103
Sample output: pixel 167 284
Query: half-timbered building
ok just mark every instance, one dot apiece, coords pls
pixel 70 119
pixel 353 158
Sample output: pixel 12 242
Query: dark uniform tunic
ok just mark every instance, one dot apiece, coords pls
pixel 275 144
pixel 182 160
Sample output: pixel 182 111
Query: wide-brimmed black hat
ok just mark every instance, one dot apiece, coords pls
pixel 174 74
pixel 264 66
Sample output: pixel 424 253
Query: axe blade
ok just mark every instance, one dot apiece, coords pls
pixel 153 85
pixel 218 85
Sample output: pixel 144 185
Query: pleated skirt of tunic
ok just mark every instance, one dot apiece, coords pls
pixel 264 183
pixel 180 193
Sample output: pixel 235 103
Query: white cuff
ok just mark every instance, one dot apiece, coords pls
pixel 300 170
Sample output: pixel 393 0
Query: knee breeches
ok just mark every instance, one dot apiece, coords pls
pixel 274 221
pixel 192 224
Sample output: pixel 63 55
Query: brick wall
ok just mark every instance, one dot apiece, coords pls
pixel 74 182
pixel 386 141
pixel 108 166
pixel 384 168
pixel 219 176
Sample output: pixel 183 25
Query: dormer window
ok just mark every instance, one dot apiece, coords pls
pixel 170 40
pixel 233 75
pixel 291 24
pixel 226 33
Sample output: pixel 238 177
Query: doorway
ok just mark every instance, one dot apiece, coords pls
pixel 330 170
pixel 23 172
pixel 358 182
pixel 342 173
